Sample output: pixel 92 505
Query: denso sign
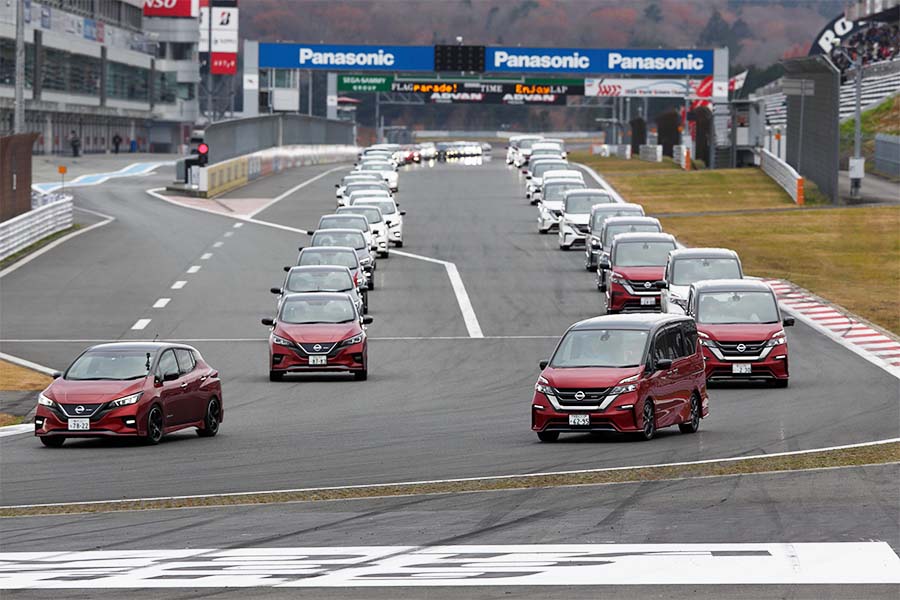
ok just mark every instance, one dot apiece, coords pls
pixel 171 8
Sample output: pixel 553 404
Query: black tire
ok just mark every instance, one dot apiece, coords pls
pixel 53 441
pixel 548 436
pixel 154 426
pixel 385 254
pixel 648 418
pixel 211 420
pixel 781 383
pixel 543 231
pixel 696 411
pixel 361 375
pixel 398 244
pixel 276 375
pixel 372 281
pixel 565 248
pixel 365 299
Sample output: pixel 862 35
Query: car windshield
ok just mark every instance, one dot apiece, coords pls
pixel 545 152
pixel 642 254
pixel 319 281
pixel 375 167
pixel 316 310
pixel 600 348
pixel 723 308
pixel 341 258
pixel 343 222
pixel 363 186
pixel 602 215
pixel 539 170
pixel 686 271
pixel 387 208
pixel 614 230
pixel 372 214
pixel 351 239
pixel 113 365
pixel 580 204
pixel 526 144
pixel 554 192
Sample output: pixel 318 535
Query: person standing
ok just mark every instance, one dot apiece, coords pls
pixel 117 141
pixel 75 142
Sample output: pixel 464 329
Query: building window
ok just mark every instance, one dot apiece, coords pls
pixel 126 82
pixel 8 63
pixel 181 51
pixel 80 7
pixel 187 91
pixel 66 72
pixel 164 88
pixel 131 17
pixel 108 10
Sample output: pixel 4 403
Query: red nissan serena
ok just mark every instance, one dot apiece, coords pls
pixel 636 262
pixel 741 330
pixel 624 373
pixel 318 331
pixel 131 389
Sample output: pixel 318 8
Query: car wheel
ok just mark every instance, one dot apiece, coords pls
pixel 372 281
pixel 53 441
pixel 361 375
pixel 384 254
pixel 694 424
pixel 365 299
pixel 275 375
pixel 211 420
pixel 543 231
pixel 154 426
pixel 781 383
pixel 648 432
pixel 399 244
pixel 565 248
pixel 548 436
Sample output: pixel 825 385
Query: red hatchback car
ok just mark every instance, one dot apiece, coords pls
pixel 318 331
pixel 628 373
pixel 636 262
pixel 131 389
pixel 741 330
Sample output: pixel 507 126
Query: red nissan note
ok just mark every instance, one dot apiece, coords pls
pixel 636 262
pixel 624 373
pixel 131 389
pixel 741 330
pixel 318 331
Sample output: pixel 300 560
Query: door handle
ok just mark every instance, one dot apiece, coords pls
pixel 183 385
pixel 204 378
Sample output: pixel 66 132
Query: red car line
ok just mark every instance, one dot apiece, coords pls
pixel 636 262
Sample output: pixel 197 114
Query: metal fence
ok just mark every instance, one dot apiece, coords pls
pixel 26 229
pixel 783 174
pixel 887 154
pixel 228 139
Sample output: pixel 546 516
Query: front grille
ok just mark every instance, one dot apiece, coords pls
pixel 87 411
pixel 583 229
pixel 323 347
pixel 750 348
pixel 756 372
pixel 592 396
pixel 636 306
pixel 558 424
pixel 638 285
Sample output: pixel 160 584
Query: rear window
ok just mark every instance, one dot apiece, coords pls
pixel 319 281
pixel 553 192
pixel 601 215
pixel 614 230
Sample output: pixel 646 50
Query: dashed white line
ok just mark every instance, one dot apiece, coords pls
pixel 238 225
pixel 228 234
pixel 206 256
pixel 218 244
pixel 193 269
pixel 161 303
pixel 178 285
pixel 140 324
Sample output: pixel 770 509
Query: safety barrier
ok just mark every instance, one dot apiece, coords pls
pixel 783 174
pixel 887 154
pixel 36 224
pixel 225 176
pixel 682 156
pixel 622 151
pixel 650 153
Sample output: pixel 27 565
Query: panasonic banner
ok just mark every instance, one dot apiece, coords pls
pixel 598 61
pixel 339 58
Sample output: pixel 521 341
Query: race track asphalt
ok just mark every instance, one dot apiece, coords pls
pixel 438 404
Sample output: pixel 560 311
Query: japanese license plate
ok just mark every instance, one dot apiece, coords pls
pixel 79 424
pixel 741 369
pixel 576 420
pixel 648 301
pixel 315 361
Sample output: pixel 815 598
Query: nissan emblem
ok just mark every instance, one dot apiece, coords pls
pixel 79 409
pixel 579 395
pixel 317 347
pixel 741 347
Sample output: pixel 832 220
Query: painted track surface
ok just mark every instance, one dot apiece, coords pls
pixel 432 408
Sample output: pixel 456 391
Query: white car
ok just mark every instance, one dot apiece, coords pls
pixel 550 208
pixel 690 265
pixel 393 217
pixel 356 178
pixel 513 144
pixel 322 278
pixel 385 168
pixel 345 221
pixel 568 173
pixel 559 143
pixel 366 194
pixel 523 150
pixel 534 177
pixel 376 222
pixel 576 215
pixel 374 187
pixel 428 151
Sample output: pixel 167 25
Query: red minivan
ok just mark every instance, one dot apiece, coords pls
pixel 741 330
pixel 141 389
pixel 624 373
pixel 636 262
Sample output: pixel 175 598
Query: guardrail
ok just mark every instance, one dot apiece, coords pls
pixel 650 153
pixel 36 224
pixel 783 174
pixel 887 154
pixel 682 156
pixel 622 151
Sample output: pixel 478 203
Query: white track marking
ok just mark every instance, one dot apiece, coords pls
pixel 178 285
pixel 297 187
pixel 523 476
pixel 33 255
pixel 238 225
pixel 27 364
pixel 140 324
pixel 206 256
pixel 452 338
pixel 476 565
pixel 161 303
pixel 15 430
pixel 218 244
pixel 228 234
pixel 193 269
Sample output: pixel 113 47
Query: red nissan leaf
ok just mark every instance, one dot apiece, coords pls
pixel 137 389
pixel 318 331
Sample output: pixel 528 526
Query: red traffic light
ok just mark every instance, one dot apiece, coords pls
pixel 202 149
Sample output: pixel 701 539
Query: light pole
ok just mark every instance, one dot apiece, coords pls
pixel 857 163
pixel 19 108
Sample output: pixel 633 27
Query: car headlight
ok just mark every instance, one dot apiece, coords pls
pixel 365 260
pixel 543 386
pixel 705 341
pixel 682 302
pixel 595 242
pixel 45 401
pixel 777 340
pixel 626 385
pixel 126 401
pixel 617 277
pixel 281 341
pixel 356 339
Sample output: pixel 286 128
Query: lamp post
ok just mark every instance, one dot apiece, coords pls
pixel 857 163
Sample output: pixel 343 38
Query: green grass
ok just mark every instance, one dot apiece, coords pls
pixel 36 246
pixel 884 118
pixel 606 166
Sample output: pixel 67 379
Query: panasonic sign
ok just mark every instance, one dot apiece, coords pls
pixel 337 58
pixel 599 61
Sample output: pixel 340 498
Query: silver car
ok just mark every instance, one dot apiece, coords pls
pixel 322 278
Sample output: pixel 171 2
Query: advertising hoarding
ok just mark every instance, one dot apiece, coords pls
pixel 598 60
pixel 331 57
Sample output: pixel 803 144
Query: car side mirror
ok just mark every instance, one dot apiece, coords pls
pixel 268 322
pixel 603 263
pixel 543 364
pixel 662 285
pixel 299 248
pixel 286 269
pixel 402 213
pixel 275 291
pixel 788 322
pixel 664 364
pixel 528 177
pixel 170 376
pixel 367 320
pixel 337 185
pixel 55 374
